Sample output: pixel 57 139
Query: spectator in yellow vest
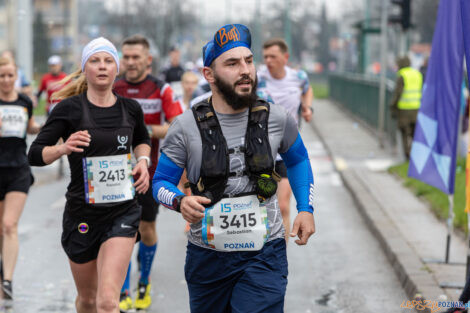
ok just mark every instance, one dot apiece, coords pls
pixel 406 101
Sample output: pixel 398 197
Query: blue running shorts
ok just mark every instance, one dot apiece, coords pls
pixel 237 282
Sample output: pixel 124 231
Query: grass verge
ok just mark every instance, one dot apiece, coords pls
pixel 320 91
pixel 40 109
pixel 437 199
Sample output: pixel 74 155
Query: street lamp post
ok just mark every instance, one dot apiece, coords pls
pixel 257 30
pixel 365 38
pixel 383 70
pixel 287 25
pixel 24 37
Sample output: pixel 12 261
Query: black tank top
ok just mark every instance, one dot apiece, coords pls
pixel 110 141
pixel 15 114
pixel 106 141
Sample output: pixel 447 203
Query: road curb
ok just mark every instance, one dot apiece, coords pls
pixel 408 267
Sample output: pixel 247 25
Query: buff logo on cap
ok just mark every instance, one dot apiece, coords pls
pixel 223 36
pixel 227 37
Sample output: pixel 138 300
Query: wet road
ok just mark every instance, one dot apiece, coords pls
pixel 342 269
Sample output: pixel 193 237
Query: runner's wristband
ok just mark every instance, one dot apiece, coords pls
pixel 144 157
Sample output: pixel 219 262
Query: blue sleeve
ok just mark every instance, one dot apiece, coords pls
pixel 24 81
pixel 299 173
pixel 166 178
pixel 305 83
pixel 264 95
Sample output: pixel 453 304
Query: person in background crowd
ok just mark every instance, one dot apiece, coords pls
pixel 291 89
pixel 203 86
pixel 16 120
pixel 424 68
pixel 406 101
pixel 49 82
pixel 174 71
pixel 189 82
pixel 156 99
pixel 22 84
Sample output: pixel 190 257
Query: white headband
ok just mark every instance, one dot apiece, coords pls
pixel 100 44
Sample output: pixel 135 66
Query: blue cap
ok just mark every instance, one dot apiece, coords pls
pixel 227 37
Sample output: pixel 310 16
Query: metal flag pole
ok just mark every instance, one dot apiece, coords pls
pixel 450 227
pixel 451 215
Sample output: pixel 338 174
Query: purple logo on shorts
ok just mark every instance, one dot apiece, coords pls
pixel 83 228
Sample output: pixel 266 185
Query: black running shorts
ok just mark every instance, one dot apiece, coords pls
pixel 149 205
pixel 82 239
pixel 15 179
pixel 281 168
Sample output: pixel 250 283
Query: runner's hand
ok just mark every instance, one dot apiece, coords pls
pixel 192 209
pixel 307 114
pixel 141 170
pixel 81 138
pixel 304 227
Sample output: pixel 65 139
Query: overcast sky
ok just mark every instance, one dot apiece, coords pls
pixel 219 10
pixel 241 8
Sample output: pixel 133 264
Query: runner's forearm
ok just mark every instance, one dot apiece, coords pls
pixel 50 133
pixel 142 150
pixel 33 127
pixel 159 131
pixel 299 173
pixel 51 153
pixel 165 181
pixel 307 98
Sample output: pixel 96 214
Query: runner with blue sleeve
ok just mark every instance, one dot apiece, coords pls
pixel 236 255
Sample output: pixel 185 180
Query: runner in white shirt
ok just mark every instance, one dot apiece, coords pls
pixel 291 89
pixel 189 83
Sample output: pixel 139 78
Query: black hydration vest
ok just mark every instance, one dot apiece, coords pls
pixel 215 168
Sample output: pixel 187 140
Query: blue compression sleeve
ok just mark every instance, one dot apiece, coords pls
pixel 165 180
pixel 126 286
pixel 146 256
pixel 300 174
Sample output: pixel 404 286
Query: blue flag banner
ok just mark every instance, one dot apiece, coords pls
pixel 434 149
pixel 465 10
pixel 465 4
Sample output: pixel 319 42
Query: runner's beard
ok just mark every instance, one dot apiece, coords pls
pixel 232 98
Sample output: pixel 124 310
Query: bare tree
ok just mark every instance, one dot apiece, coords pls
pixel 162 21
pixel 304 22
pixel 42 44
